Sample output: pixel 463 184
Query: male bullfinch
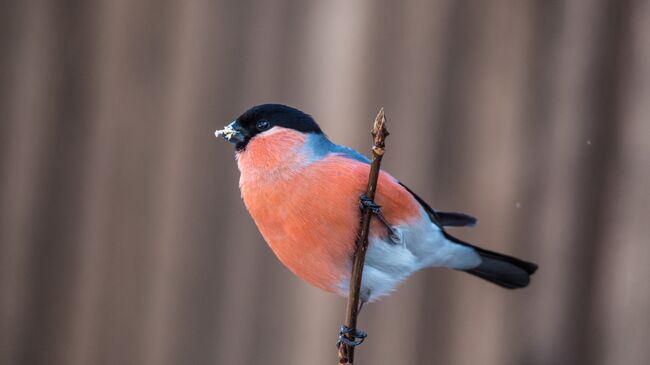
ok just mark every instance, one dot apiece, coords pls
pixel 303 192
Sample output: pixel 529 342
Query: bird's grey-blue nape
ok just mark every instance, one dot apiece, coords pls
pixel 318 146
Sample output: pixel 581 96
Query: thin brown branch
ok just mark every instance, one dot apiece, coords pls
pixel 379 134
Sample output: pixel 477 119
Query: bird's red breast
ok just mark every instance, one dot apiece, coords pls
pixel 308 210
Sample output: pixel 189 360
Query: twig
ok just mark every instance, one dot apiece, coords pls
pixel 379 134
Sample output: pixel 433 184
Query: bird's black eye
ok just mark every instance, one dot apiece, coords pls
pixel 263 125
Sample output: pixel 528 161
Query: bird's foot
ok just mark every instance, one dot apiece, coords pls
pixel 355 338
pixel 366 202
pixel 375 208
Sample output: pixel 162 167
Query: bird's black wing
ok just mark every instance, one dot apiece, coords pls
pixel 453 219
pixel 444 219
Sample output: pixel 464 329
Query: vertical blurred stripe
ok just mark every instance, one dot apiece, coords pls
pixel 26 126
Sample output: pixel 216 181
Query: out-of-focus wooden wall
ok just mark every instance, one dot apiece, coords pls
pixel 123 239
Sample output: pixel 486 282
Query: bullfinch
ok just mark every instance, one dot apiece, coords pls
pixel 303 192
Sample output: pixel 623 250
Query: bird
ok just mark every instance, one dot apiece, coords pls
pixel 304 194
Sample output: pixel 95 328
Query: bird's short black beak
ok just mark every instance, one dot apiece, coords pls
pixel 233 133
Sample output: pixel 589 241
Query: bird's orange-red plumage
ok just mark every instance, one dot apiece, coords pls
pixel 310 223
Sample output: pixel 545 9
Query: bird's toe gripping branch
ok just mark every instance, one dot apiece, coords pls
pixel 375 208
pixel 349 337
pixel 366 202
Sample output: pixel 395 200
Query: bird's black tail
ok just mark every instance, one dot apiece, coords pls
pixel 503 270
pixel 506 271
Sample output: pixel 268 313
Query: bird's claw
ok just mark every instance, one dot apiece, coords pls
pixel 366 202
pixel 375 208
pixel 356 339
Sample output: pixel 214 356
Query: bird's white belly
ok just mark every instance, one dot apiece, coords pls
pixel 421 245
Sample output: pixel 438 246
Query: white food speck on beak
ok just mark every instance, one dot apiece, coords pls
pixel 227 132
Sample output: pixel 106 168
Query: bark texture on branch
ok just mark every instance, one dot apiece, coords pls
pixel 379 134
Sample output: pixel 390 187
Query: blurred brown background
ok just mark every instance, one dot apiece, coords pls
pixel 123 239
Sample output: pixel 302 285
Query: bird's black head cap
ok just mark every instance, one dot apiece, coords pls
pixel 261 118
